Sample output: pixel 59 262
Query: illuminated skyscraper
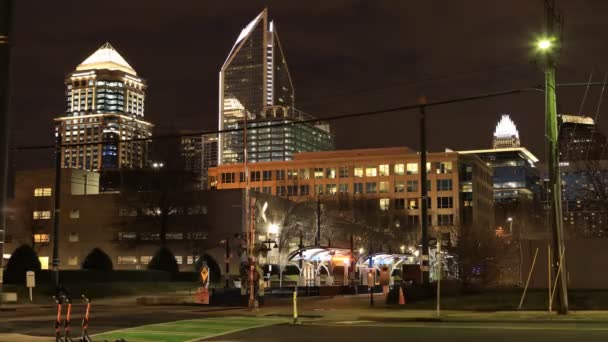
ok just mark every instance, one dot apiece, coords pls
pixel 506 134
pixel 104 106
pixel 256 87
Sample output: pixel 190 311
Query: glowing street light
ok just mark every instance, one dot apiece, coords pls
pixel 402 248
pixel 273 228
pixel 545 44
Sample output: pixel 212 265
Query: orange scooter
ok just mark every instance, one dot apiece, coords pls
pixel 58 322
pixel 85 323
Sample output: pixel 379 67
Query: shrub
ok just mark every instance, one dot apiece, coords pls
pixel 164 260
pixel 97 260
pixel 22 260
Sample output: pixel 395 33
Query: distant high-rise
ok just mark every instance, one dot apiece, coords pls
pixel 506 134
pixel 199 153
pixel 579 139
pixel 104 106
pixel 256 87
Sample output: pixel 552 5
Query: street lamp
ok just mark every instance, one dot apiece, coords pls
pixel 545 44
pixel 510 220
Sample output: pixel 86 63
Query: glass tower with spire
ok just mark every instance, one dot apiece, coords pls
pixel 104 106
pixel 255 87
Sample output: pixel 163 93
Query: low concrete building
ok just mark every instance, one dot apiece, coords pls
pixel 89 219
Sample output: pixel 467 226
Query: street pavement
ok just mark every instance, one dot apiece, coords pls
pixel 323 318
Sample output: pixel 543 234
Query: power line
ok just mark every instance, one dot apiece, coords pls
pixel 283 124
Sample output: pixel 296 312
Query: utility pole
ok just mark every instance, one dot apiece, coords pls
pixel 424 264
pixel 549 46
pixel 57 210
pixel 5 54
pixel 318 238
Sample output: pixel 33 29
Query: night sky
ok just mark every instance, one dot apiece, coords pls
pixel 344 56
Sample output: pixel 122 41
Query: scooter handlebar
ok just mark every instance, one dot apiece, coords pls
pixel 85 298
pixel 57 300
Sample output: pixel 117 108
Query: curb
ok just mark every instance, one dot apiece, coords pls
pixel 473 320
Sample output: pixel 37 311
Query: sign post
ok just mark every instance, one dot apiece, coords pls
pixel 202 295
pixel 30 282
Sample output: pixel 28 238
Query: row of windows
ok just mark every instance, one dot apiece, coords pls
pixel 332 172
pixel 145 259
pixel 43 192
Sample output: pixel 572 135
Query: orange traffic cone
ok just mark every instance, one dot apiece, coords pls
pixel 401 296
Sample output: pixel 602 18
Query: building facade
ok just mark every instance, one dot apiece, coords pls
pixel 92 219
pixel 460 186
pixel 584 171
pixel 256 92
pixel 199 153
pixel 104 106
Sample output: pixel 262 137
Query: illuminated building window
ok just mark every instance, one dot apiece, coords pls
pixel 127 260
pixel 178 259
pixel 384 203
pixel 412 203
pixel 145 259
pixel 444 167
pixel 412 168
pixel 41 238
pixel 383 170
pixel 358 172
pixel 371 171
pixel 74 213
pixel 190 259
pixel 330 172
pixel 399 169
pixel 292 174
pixel 399 186
pixel 73 237
pixel 73 261
pixel 383 187
pixel 331 189
pixel 318 173
pixel 41 215
pixel 43 192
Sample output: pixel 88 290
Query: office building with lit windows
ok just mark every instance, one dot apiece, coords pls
pixel 199 153
pixel 104 106
pixel 256 89
pixel 460 186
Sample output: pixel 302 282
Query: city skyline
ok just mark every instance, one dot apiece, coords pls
pixel 346 72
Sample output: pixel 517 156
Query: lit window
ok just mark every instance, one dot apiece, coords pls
pixel 383 170
pixel 399 186
pixel 330 172
pixel 304 174
pixel 73 237
pixel 412 203
pixel 41 238
pixel 292 174
pixel 178 259
pixel 74 213
pixel 331 189
pixel 73 261
pixel 43 192
pixel 190 259
pixel 371 171
pixel 384 203
pixel 412 168
pixel 444 167
pixel 358 171
pixel 145 259
pixel 318 173
pixel 383 187
pixel 399 169
pixel 42 215
pixel 127 260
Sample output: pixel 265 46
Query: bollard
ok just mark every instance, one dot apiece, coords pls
pixel 295 307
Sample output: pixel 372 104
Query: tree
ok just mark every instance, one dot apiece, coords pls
pixel 23 259
pixel 164 260
pixel 478 254
pixel 97 260
pixel 157 197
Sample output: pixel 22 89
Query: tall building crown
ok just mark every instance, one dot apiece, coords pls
pixel 506 134
pixel 106 57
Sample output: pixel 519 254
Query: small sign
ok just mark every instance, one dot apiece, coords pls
pixel 205 275
pixel 30 279
pixel 202 296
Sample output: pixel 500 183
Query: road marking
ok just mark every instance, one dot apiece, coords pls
pixel 190 330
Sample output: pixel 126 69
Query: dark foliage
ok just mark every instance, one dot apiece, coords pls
pixel 97 260
pixel 22 260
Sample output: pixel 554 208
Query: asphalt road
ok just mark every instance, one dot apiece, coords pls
pixel 452 332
